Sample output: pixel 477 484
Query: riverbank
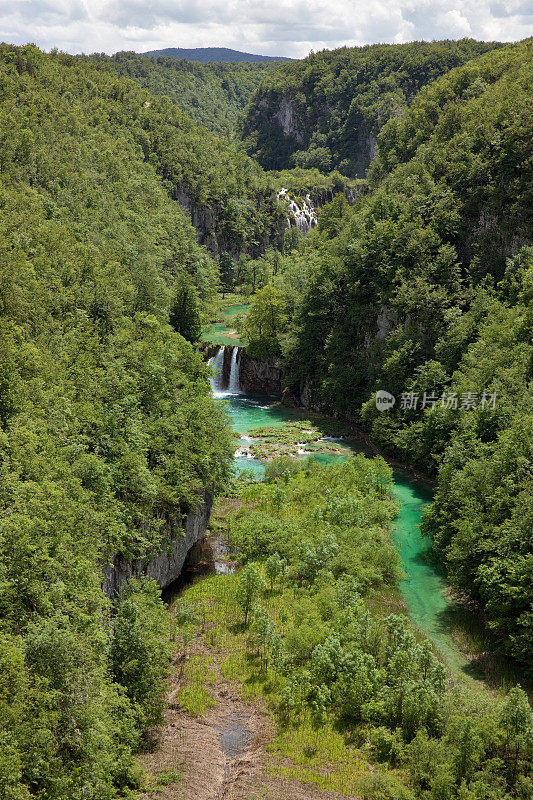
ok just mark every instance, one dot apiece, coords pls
pixel 222 330
pixel 225 685
pixel 301 688
pixel 268 428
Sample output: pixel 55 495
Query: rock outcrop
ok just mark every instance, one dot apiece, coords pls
pixel 165 565
pixel 264 375
pixel 220 230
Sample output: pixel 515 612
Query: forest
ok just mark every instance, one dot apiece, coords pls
pixel 423 288
pixel 135 192
pixel 214 94
pixel 108 431
pixel 326 110
pixel 311 624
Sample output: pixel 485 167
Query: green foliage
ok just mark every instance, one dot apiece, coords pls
pixel 265 322
pixel 214 95
pixel 227 194
pixel 140 648
pixel 328 664
pixel 275 568
pixel 108 431
pixel 423 288
pixel 228 272
pixel 184 314
pixel 251 586
pixel 338 100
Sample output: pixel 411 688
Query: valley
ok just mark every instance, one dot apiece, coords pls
pixel 226 570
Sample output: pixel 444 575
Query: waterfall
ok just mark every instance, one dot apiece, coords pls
pixel 217 364
pixel 234 385
pixel 304 217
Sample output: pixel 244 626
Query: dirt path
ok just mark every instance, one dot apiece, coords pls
pixel 220 755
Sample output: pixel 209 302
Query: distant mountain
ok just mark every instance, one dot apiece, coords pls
pixel 207 54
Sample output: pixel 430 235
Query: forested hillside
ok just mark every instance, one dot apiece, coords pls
pixel 213 94
pixel 207 55
pixel 228 196
pixel 424 288
pixel 120 215
pixel 108 432
pixel 326 110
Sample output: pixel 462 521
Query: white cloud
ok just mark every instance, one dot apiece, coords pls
pixel 261 26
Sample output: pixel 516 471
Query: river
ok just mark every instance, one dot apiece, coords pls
pixel 424 588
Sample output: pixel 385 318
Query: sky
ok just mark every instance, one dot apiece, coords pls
pixel 269 27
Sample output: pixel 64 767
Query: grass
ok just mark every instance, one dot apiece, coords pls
pixel 286 439
pixel 157 783
pixel 323 760
pixel 168 777
pixel 195 697
pixel 326 761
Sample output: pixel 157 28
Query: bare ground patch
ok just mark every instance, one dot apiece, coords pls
pixel 221 754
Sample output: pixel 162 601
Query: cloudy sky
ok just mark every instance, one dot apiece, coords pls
pixel 272 27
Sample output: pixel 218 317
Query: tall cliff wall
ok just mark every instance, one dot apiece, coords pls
pixel 164 566
pixel 261 375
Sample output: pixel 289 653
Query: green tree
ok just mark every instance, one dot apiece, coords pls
pixel 266 321
pixel 185 315
pixel 250 588
pixel 140 648
pixel 517 722
pixel 227 272
pixel 275 567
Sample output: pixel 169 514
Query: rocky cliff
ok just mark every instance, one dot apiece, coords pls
pixel 164 566
pixel 264 375
pixel 245 225
pixel 326 110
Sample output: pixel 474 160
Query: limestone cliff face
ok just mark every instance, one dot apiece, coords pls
pixel 264 375
pixel 287 118
pixel 165 565
pixel 220 230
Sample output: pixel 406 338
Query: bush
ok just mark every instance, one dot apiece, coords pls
pixel 140 648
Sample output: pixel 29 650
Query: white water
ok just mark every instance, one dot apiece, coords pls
pixel 234 375
pixel 303 217
pixel 216 363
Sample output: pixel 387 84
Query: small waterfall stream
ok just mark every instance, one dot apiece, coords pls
pixel 217 365
pixel 234 385
pixel 304 216
pixel 218 381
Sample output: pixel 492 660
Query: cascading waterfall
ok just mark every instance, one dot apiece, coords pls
pixel 303 217
pixel 217 364
pixel 234 385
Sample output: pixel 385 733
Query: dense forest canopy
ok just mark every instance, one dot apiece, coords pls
pixel 213 94
pixel 423 288
pixel 326 110
pixel 108 432
pixel 230 199
pixel 120 213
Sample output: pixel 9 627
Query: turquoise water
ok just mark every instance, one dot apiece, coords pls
pixel 223 332
pixel 248 411
pixel 232 311
pixel 424 589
